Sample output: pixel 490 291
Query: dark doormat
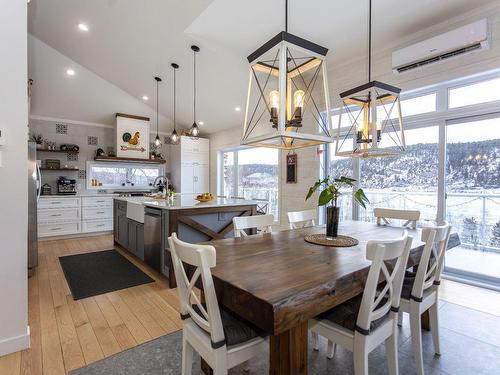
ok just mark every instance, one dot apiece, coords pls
pixel 91 274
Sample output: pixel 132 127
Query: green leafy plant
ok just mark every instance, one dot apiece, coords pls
pixel 37 138
pixel 331 191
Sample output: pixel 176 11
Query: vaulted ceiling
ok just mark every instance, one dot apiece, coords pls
pixel 130 41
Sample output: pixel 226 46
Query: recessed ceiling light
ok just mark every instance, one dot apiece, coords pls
pixel 70 72
pixel 237 109
pixel 83 27
pixel 201 123
pixel 145 97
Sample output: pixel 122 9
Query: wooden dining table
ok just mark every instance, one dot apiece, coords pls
pixel 278 281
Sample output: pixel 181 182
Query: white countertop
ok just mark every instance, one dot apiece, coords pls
pixel 185 202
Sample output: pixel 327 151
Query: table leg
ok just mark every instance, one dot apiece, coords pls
pixel 288 352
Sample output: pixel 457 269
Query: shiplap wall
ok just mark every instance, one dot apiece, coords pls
pixel 352 73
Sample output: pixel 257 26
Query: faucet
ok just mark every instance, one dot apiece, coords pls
pixel 161 182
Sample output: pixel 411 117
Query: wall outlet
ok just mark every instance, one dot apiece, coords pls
pixel 2 137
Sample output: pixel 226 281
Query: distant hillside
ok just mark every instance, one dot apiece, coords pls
pixel 417 169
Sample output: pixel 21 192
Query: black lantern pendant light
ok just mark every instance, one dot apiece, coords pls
pixel 157 139
pixel 195 130
pixel 174 137
pixel 371 111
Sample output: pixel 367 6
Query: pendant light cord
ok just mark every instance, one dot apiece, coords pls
pixel 194 88
pixel 286 15
pixel 157 83
pixel 174 97
pixel 369 40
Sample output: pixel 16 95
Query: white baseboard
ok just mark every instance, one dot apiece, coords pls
pixel 16 343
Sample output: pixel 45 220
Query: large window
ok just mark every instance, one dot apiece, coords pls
pixel 251 173
pixel 450 171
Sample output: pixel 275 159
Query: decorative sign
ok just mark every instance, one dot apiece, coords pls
pixel 132 136
pixel 291 168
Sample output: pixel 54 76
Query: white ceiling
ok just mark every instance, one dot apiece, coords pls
pixel 130 41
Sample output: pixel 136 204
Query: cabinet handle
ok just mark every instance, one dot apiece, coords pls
pixel 100 225
pixel 101 212
pixel 55 228
pixel 100 201
pixel 55 202
pixel 54 215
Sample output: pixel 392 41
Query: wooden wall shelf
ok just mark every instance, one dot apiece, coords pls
pixel 129 160
pixel 59 151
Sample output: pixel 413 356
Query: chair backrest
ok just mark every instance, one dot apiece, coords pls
pixel 411 217
pixel 203 258
pixel 262 206
pixel 302 219
pixel 377 304
pixel 432 260
pixel 263 223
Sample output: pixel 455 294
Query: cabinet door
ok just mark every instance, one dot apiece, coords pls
pixel 123 231
pixel 132 236
pixel 187 179
pixel 140 241
pixel 201 179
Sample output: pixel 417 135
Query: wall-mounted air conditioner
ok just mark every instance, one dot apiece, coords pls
pixel 467 39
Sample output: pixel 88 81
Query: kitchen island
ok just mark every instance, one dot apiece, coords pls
pixel 142 225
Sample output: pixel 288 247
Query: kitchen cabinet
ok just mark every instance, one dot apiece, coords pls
pixel 127 232
pixel 190 165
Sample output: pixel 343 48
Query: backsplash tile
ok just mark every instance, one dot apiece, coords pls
pixel 61 129
pixel 72 157
pixel 92 141
pixel 82 174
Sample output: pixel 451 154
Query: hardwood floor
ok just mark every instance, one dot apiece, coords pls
pixel 67 334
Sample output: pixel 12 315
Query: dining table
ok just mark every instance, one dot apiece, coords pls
pixel 277 281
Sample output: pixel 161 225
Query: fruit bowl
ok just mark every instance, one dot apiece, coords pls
pixel 204 197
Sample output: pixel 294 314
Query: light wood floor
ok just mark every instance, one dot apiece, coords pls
pixel 67 334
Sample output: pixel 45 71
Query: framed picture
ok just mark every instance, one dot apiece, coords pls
pixel 132 136
pixel 291 169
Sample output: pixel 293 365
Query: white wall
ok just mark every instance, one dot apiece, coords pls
pixel 13 178
pixel 352 73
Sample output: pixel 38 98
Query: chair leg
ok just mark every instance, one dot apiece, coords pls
pixel 315 337
pixel 360 355
pixel 416 338
pixel 187 357
pixel 434 323
pixel 391 348
pixel 400 318
pixel 330 352
pixel 220 363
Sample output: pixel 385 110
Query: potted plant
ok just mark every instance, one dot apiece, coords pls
pixel 38 139
pixel 330 194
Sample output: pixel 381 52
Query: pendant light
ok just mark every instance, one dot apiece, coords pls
pixel 195 130
pixel 174 138
pixel 288 104
pixel 157 139
pixel 372 115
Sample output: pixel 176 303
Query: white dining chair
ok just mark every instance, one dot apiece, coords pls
pixel 222 339
pixel 263 223
pixel 366 321
pixel 411 216
pixel 420 289
pixel 302 219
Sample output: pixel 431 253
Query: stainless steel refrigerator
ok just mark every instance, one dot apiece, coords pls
pixel 34 190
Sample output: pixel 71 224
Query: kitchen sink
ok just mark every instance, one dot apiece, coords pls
pixel 135 208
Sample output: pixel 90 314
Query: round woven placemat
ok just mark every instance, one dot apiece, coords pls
pixel 339 241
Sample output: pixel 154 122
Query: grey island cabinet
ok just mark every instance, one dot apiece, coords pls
pixel 142 225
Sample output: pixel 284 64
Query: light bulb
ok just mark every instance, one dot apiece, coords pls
pixel 274 99
pixel 298 99
pixel 174 138
pixel 195 131
pixel 157 140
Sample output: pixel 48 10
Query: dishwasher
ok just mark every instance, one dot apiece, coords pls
pixel 152 238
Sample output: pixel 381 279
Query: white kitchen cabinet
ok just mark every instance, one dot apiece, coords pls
pixel 190 165
pixel 63 216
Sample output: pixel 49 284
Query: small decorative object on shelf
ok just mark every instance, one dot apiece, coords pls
pixel 69 147
pixel 52 164
pixel 330 194
pixel 99 152
pixel 38 139
pixel 46 189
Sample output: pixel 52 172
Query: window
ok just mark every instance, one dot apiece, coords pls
pixel 482 92
pixel 408 182
pixel 251 173
pixel 122 175
pixel 341 166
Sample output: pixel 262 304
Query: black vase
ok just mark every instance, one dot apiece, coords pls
pixel 332 222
